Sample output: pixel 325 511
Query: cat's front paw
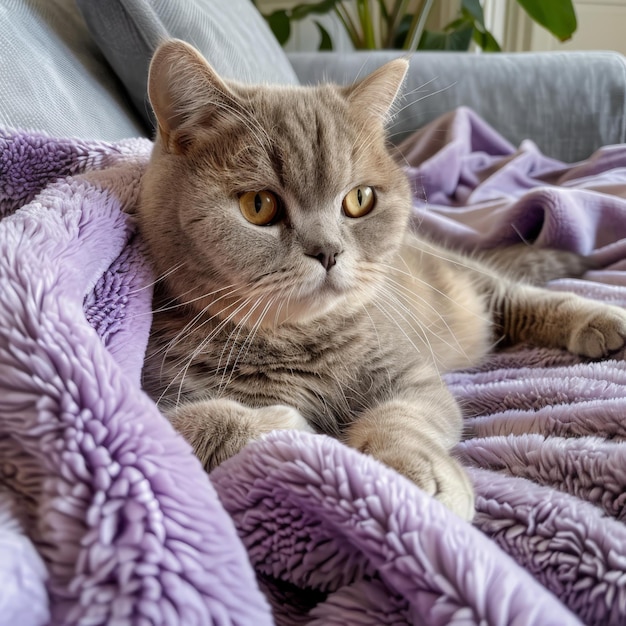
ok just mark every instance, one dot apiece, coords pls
pixel 219 429
pixel 600 331
pixel 421 459
pixel 439 475
pixel 281 417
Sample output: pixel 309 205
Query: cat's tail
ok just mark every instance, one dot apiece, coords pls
pixel 535 266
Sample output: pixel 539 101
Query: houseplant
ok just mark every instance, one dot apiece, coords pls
pixel 402 23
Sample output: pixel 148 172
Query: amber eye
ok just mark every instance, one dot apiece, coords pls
pixel 359 201
pixel 259 207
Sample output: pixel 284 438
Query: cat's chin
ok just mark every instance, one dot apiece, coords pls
pixel 300 312
pixel 334 294
pixel 305 310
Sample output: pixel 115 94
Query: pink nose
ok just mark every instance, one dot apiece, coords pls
pixel 327 256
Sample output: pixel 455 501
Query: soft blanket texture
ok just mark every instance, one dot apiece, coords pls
pixel 107 518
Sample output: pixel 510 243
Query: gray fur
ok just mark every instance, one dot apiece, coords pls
pixel 251 333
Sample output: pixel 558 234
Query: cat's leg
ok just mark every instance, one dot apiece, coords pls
pixel 218 429
pixel 561 320
pixel 414 434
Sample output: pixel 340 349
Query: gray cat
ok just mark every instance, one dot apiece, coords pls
pixel 292 294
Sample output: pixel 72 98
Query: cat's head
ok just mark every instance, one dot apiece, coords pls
pixel 270 204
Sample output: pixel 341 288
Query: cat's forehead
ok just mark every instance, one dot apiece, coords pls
pixel 310 138
pixel 305 113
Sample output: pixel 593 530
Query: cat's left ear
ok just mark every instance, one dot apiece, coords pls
pixel 376 93
pixel 189 99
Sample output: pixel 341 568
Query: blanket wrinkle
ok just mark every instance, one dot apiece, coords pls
pixel 123 513
pixel 537 390
pixel 417 560
pixel 369 601
pixel 107 518
pixel 567 544
pixel 604 419
pixel 588 467
pixel 23 570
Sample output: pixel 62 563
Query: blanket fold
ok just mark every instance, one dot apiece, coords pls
pixel 112 499
pixel 107 518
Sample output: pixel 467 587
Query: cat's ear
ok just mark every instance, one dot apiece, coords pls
pixel 185 93
pixel 375 94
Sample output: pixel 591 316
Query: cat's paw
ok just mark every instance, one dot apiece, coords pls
pixel 600 331
pixel 439 475
pixel 421 460
pixel 219 429
pixel 281 417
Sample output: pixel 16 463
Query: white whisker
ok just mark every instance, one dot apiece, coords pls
pixel 169 272
pixel 232 338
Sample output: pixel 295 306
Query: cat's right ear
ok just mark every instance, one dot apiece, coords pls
pixel 185 93
pixel 376 93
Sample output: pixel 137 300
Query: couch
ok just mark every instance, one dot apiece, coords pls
pixel 106 517
pixel 79 68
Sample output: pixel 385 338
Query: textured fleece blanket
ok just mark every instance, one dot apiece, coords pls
pixel 107 518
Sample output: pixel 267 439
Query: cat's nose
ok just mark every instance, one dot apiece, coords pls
pixel 326 255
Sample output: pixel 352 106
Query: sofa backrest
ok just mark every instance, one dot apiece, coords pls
pixel 231 34
pixel 79 67
pixel 54 78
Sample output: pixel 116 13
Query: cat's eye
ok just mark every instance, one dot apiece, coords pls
pixel 259 207
pixel 359 201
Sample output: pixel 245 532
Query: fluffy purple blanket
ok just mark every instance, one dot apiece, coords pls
pixel 107 518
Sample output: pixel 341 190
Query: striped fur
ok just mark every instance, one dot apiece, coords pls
pixel 251 333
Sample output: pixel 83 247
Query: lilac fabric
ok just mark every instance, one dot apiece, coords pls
pixel 105 515
pixel 545 430
pixel 107 518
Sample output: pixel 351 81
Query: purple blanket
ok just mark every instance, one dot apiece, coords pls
pixel 107 518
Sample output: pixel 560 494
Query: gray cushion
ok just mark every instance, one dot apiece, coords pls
pixel 569 103
pixel 231 34
pixel 53 76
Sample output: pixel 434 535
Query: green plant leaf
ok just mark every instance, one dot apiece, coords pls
pixel 384 12
pixel 348 24
pixel 301 11
pixel 473 8
pixel 367 26
pixel 458 40
pixel 557 16
pixel 472 15
pixel 326 43
pixel 486 41
pixel 402 31
pixel 280 25
pixel 458 23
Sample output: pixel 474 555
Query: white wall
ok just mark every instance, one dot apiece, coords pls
pixel 601 26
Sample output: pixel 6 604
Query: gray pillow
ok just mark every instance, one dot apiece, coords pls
pixel 231 34
pixel 55 79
